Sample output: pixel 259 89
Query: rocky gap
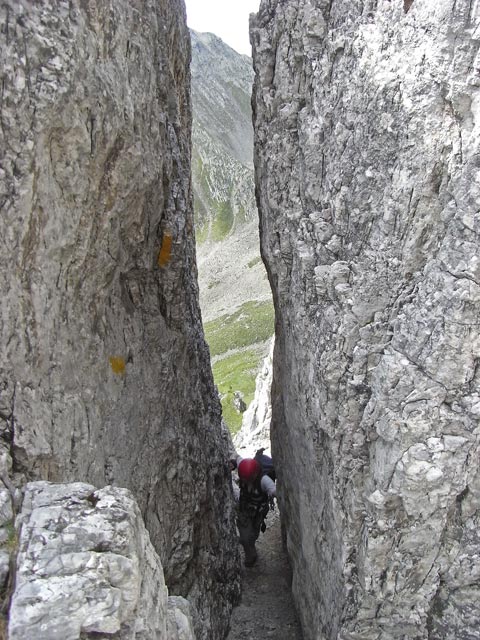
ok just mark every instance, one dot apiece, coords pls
pixel 376 458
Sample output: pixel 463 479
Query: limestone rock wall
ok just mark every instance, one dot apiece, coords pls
pixel 86 567
pixel 104 372
pixel 367 131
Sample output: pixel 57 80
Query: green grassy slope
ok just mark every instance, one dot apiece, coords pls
pixel 237 344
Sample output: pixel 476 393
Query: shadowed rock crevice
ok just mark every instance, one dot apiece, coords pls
pixel 266 609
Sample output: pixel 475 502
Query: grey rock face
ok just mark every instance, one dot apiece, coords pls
pixel 367 131
pixel 179 623
pixel 86 568
pixel 104 373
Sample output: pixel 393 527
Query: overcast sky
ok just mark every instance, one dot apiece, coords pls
pixel 228 19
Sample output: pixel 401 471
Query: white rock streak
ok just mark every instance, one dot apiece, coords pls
pixel 256 420
pixel 86 567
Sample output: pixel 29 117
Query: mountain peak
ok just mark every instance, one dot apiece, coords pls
pixel 215 44
pixel 221 90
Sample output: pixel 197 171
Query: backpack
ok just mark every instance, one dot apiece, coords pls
pixel 258 502
pixel 266 463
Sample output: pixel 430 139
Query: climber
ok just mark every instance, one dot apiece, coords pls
pixel 257 490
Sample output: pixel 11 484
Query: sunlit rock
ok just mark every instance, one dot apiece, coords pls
pixel 85 566
pixel 367 143
pixel 256 421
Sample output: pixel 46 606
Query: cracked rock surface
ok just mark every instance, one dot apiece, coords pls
pixel 104 373
pixel 87 569
pixel 367 131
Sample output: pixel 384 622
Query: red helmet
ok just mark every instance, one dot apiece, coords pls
pixel 248 469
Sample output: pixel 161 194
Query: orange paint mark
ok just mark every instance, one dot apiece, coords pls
pixel 166 250
pixel 118 365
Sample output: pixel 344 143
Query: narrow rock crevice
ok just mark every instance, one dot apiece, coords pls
pixel 266 609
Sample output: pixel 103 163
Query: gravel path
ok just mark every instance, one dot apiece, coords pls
pixel 266 609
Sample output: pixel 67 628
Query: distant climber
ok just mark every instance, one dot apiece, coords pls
pixel 239 402
pixel 257 491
